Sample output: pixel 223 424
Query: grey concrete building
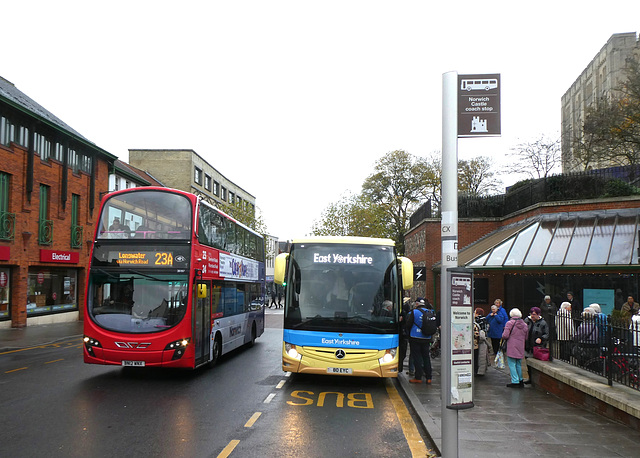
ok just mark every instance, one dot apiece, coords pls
pixel 598 80
pixel 188 171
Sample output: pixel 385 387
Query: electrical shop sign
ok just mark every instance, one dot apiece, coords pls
pixel 479 105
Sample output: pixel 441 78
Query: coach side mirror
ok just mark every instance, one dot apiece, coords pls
pixel 280 268
pixel 407 273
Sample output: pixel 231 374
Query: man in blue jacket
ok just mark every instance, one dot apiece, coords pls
pixel 418 342
pixel 496 321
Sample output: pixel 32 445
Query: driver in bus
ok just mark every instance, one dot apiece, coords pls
pixel 339 292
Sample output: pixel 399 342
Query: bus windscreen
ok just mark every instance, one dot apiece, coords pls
pixel 342 288
pixel 146 215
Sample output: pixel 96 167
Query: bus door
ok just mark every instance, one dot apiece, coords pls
pixel 202 326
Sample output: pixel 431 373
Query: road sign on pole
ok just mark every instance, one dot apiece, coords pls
pixel 479 105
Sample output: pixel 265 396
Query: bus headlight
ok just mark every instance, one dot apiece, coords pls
pixel 179 347
pixel 388 356
pixel 291 350
pixel 89 343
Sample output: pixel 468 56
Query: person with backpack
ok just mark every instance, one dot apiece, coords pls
pixel 422 323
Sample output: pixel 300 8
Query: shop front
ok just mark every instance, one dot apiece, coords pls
pixel 51 289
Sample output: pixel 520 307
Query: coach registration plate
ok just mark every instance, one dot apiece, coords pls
pixel 339 370
pixel 133 363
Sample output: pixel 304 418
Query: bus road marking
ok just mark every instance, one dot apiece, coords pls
pixel 280 384
pixel 269 398
pixel 409 428
pixel 228 449
pixel 16 370
pixel 252 420
pixel 55 361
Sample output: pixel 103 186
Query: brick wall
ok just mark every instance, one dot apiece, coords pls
pixel 25 251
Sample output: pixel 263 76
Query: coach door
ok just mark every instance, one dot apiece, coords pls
pixel 202 327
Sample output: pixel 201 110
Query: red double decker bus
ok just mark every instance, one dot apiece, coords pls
pixel 173 282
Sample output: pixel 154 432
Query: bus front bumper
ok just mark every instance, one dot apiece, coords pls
pixel 325 361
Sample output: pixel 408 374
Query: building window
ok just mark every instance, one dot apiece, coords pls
pixel 7 220
pixel 232 198
pixel 223 194
pixel 76 229
pixel 7 131
pixel 85 163
pixel 73 160
pixel 42 146
pixel 23 136
pixel 51 289
pixel 45 226
pixel 216 188
pixel 58 154
pixel 207 182
pixel 197 176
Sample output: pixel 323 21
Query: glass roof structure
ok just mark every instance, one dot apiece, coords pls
pixel 579 239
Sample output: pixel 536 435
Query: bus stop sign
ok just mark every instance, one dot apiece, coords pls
pixel 478 105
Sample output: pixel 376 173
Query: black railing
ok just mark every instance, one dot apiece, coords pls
pixel 603 345
pixel 76 236
pixel 592 184
pixel 45 232
pixel 7 225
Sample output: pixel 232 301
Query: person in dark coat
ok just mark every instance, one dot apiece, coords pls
pixel 576 309
pixel 549 311
pixel 538 330
pixel 515 333
pixel 404 333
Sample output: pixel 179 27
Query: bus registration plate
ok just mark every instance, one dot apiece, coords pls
pixel 133 363
pixel 339 370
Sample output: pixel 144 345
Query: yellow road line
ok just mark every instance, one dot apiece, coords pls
pixel 54 361
pixel 252 420
pixel 16 370
pixel 70 343
pixel 409 428
pixel 228 449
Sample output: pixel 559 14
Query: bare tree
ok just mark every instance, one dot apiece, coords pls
pixel 475 177
pixel 538 158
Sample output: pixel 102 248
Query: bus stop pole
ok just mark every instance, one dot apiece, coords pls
pixel 449 240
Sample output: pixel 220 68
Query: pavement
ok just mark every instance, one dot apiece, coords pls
pixel 505 422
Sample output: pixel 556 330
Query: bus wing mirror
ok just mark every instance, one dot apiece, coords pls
pixel 407 273
pixel 202 291
pixel 280 268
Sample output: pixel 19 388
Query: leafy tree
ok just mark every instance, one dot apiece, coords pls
pixel 538 158
pixel 352 215
pixel 397 188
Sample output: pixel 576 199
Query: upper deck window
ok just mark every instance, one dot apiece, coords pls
pixel 146 215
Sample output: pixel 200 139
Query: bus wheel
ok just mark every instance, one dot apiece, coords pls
pixel 216 350
pixel 253 335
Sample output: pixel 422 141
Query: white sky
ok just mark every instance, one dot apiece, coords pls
pixel 296 100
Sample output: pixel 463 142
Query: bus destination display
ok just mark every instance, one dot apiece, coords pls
pixel 145 258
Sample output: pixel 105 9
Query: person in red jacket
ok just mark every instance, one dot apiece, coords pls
pixel 515 333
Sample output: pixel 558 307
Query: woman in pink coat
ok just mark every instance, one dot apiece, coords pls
pixel 515 334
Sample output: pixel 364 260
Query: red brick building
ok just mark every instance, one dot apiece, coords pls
pixel 589 247
pixel 51 182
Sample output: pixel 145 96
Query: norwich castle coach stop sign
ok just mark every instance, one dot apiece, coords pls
pixel 478 105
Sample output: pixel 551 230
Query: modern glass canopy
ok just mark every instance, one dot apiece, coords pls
pixel 577 239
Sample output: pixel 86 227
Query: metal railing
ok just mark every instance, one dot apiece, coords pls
pixel 605 345
pixel 45 232
pixel 7 225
